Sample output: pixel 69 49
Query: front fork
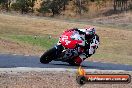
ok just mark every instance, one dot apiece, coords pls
pixel 59 48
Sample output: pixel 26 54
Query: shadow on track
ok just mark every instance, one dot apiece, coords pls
pixel 13 61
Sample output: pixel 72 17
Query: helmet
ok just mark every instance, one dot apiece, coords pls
pixel 90 33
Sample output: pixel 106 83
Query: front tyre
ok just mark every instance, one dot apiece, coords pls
pixel 48 56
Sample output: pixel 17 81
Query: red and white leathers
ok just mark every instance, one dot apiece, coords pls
pixel 89 47
pixel 89 50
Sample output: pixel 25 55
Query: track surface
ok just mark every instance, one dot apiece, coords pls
pixel 10 62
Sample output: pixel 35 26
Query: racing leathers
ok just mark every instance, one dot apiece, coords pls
pixel 87 47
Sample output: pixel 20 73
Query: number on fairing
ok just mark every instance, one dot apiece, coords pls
pixel 67 42
pixel 65 39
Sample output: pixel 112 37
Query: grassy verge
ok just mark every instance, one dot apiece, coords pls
pixel 42 41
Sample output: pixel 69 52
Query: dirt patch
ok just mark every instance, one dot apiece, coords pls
pixel 120 21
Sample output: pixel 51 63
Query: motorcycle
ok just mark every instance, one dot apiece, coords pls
pixel 66 49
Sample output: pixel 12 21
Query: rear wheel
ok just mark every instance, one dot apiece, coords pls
pixel 48 56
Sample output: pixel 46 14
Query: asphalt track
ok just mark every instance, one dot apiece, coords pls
pixel 10 62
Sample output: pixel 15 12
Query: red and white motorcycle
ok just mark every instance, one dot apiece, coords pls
pixel 66 49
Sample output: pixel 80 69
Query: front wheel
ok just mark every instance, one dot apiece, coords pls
pixel 48 56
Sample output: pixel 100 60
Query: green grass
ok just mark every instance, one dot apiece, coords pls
pixel 42 41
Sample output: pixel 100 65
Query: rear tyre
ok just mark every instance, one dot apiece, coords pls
pixel 48 56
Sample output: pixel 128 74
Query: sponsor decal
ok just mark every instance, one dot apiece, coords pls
pixel 83 78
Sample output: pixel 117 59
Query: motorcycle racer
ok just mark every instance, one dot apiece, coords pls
pixel 89 44
pixel 73 47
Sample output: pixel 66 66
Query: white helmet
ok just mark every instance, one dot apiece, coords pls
pixel 90 31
